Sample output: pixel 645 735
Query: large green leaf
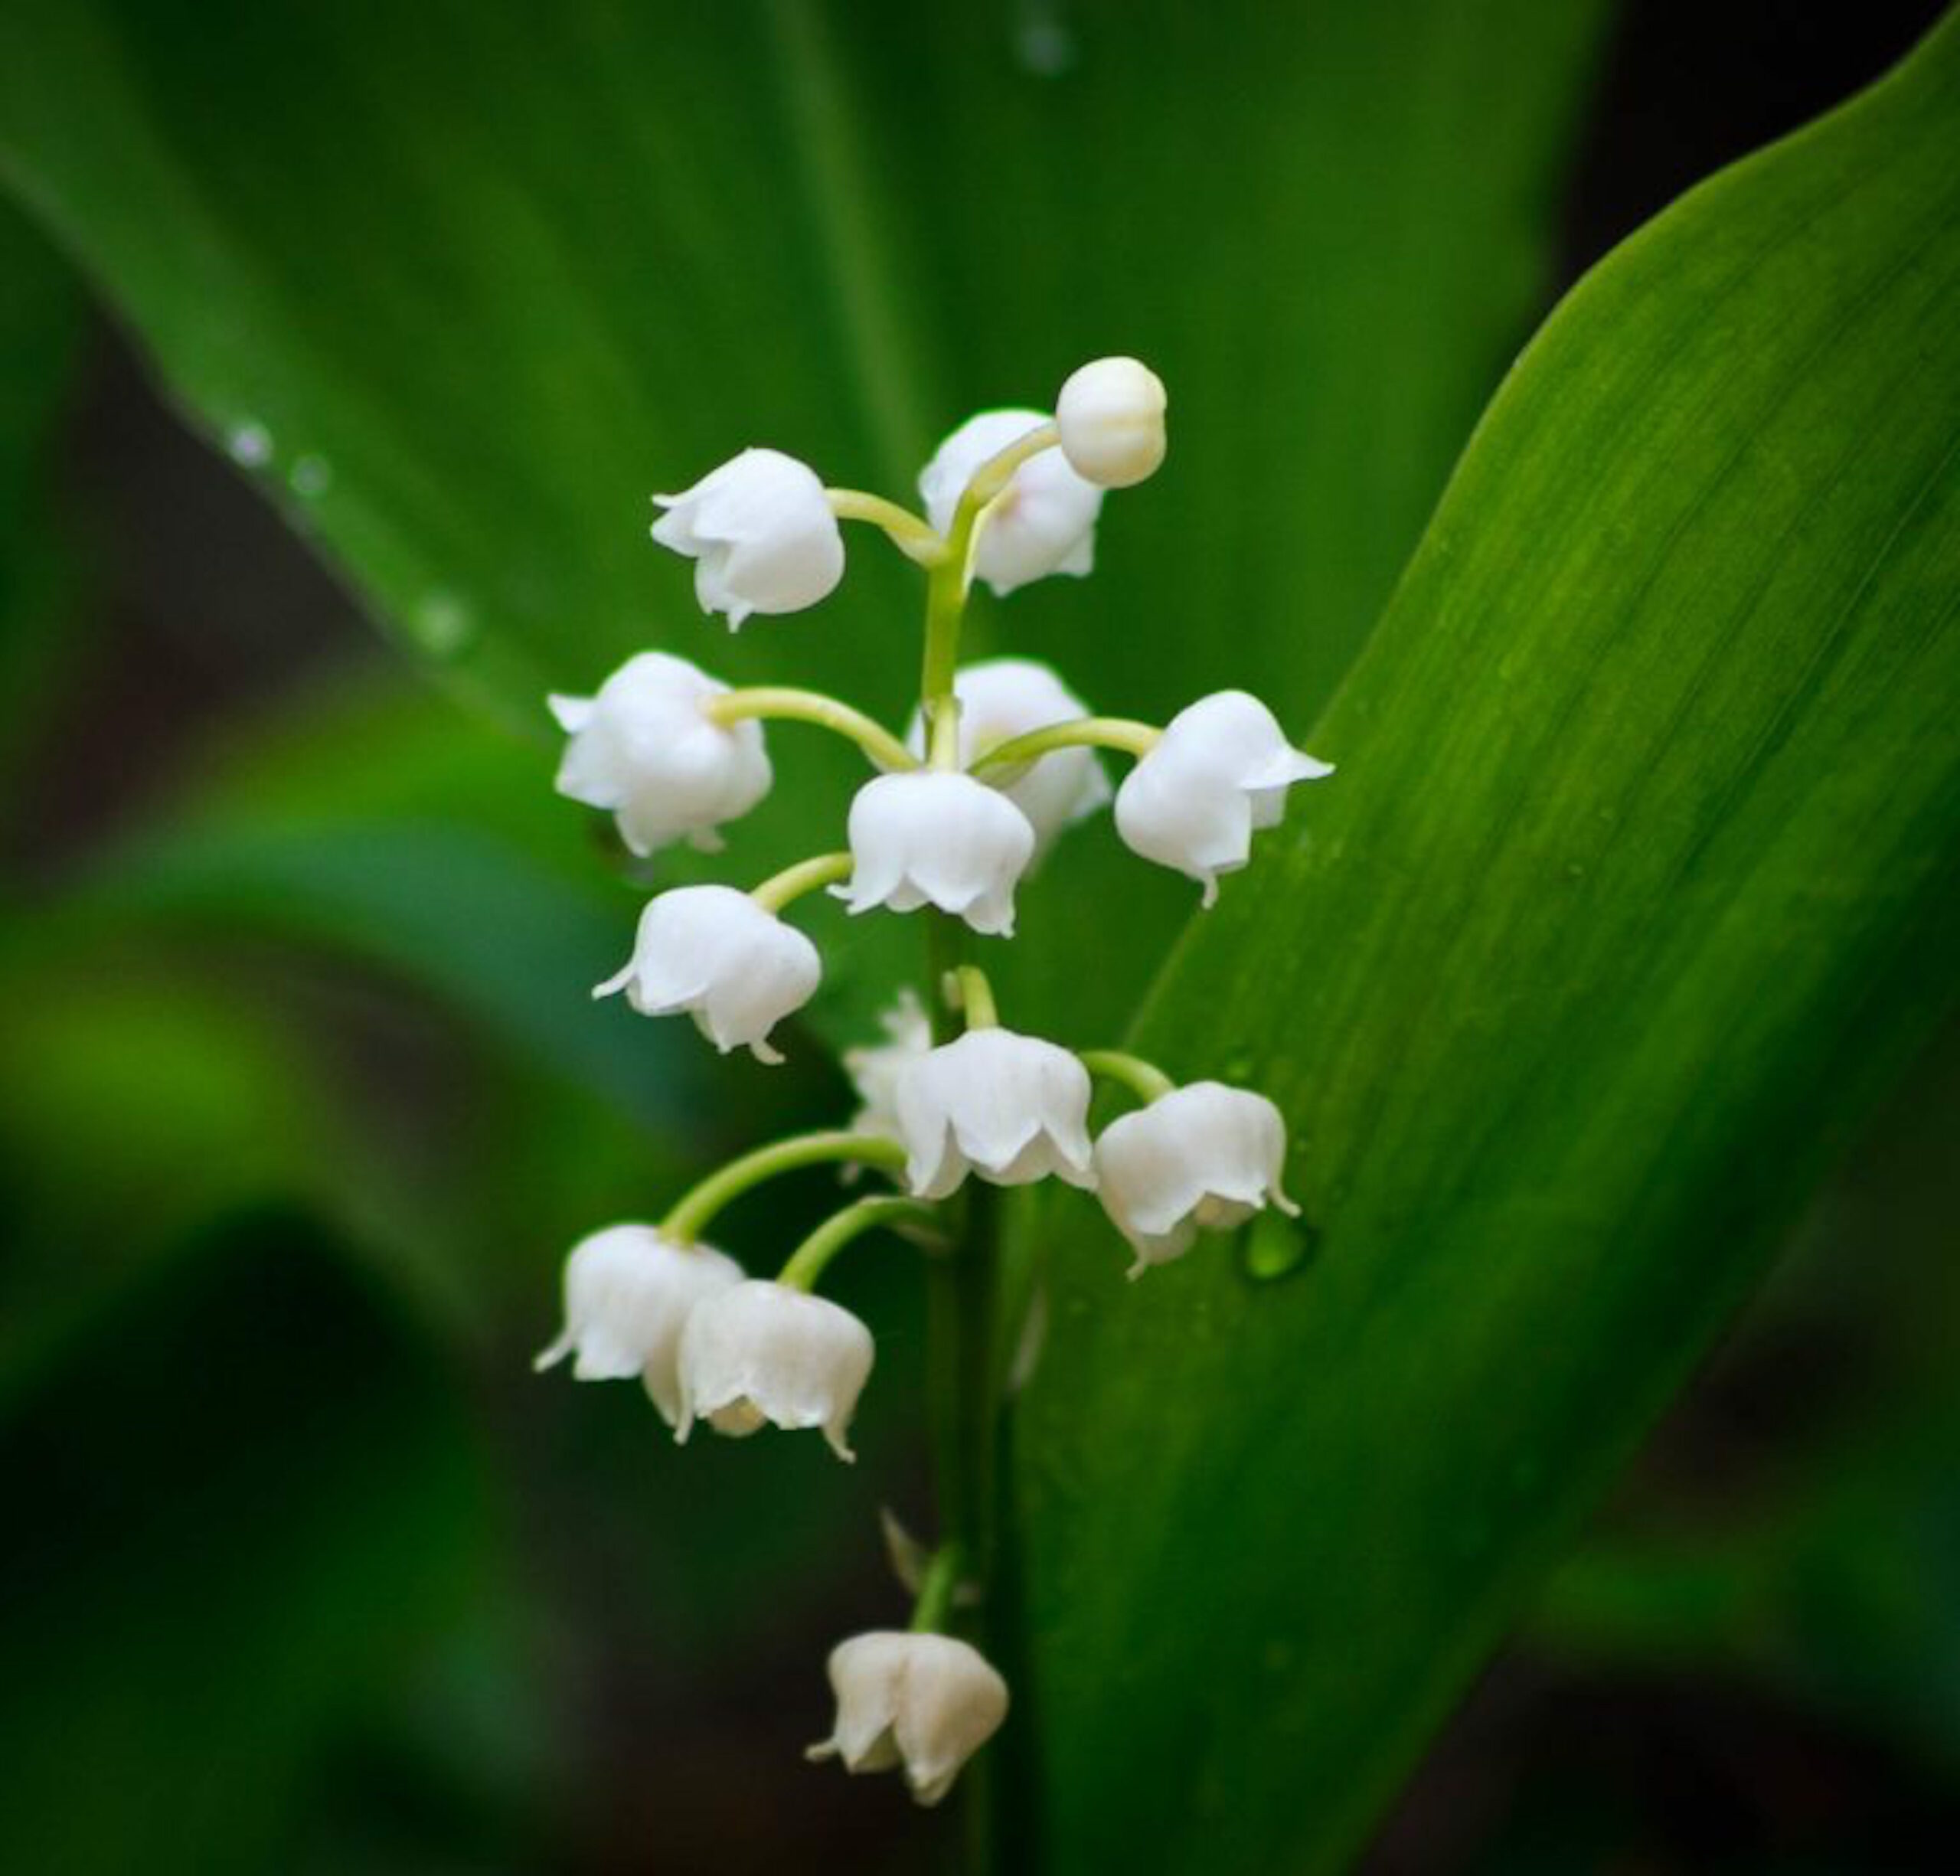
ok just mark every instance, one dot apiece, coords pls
pixel 463 284
pixel 1638 877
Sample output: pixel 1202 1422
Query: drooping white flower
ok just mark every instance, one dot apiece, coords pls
pixel 930 838
pixel 645 748
pixel 761 1354
pixel 1003 698
pixel 1204 1157
pixel 874 1068
pixel 1042 522
pixel 713 952
pixel 762 533
pixel 1220 770
pixel 926 1702
pixel 1012 1108
pixel 1111 415
pixel 628 1292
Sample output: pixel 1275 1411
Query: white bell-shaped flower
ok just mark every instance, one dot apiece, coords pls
pixel 762 532
pixel 926 1702
pixel 1220 770
pixel 628 1292
pixel 644 748
pixel 1003 698
pixel 1012 1108
pixel 1042 522
pixel 737 969
pixel 930 838
pixel 761 1354
pixel 1204 1157
pixel 1111 415
pixel 874 1068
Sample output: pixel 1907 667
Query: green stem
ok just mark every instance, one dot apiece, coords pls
pixel 808 1262
pixel 793 882
pixel 1134 739
pixel 692 1216
pixel 976 998
pixel 1145 1080
pixel 932 1608
pixel 914 538
pixel 945 593
pixel 829 713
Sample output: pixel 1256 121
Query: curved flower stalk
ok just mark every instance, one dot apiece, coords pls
pixel 999 758
pixel 1005 698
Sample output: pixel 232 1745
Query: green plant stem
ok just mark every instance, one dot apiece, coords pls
pixel 805 876
pixel 932 1610
pixel 697 1208
pixel 976 998
pixel 1145 1080
pixel 808 1262
pixel 914 537
pixel 1133 738
pixel 790 705
pixel 945 593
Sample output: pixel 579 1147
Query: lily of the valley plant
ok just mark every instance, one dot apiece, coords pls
pixel 999 759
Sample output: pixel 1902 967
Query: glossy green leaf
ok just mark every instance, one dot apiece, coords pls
pixel 462 284
pixel 1637 879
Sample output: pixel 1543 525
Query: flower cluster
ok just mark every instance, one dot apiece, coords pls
pixel 999 759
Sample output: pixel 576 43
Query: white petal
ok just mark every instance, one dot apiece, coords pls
pixel 1204 1156
pixel 1012 1108
pixel 628 1291
pixel 762 530
pixel 797 1360
pixel 929 838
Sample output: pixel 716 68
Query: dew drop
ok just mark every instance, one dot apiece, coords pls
pixel 311 476
pixel 1273 1246
pixel 1043 41
pixel 250 445
pixel 443 625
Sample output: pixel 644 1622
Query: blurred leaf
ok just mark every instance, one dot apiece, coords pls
pixel 463 285
pixel 389 826
pixel 241 1504
pixel 42 322
pixel 1636 884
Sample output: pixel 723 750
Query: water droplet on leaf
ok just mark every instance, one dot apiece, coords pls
pixel 250 445
pixel 443 625
pixel 1273 1246
pixel 312 476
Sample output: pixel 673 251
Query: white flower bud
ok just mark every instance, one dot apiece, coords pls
pixel 927 1702
pixel 1204 1157
pixel 1042 522
pixel 930 838
pixel 1003 698
pixel 874 1068
pixel 763 1354
pixel 644 748
pixel 1012 1108
pixel 713 952
pixel 762 531
pixel 1220 770
pixel 628 1292
pixel 1110 415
